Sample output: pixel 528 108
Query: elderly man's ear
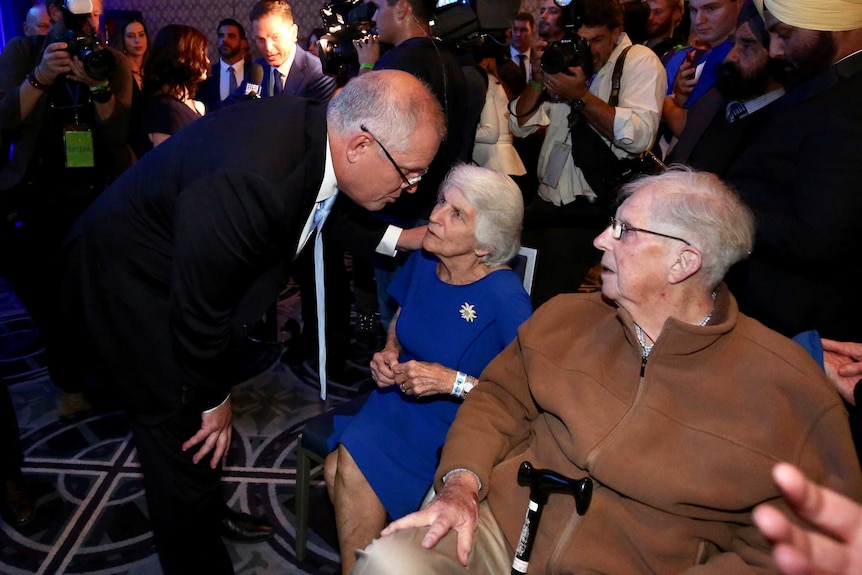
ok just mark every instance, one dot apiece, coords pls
pixel 686 265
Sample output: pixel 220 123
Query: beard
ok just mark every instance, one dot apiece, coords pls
pixel 736 84
pixel 814 59
pixel 228 52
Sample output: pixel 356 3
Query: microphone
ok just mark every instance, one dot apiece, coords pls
pixel 254 78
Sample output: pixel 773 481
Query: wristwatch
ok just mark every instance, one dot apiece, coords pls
pixel 577 105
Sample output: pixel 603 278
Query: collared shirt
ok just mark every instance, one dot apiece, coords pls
pixel 284 69
pixel 328 188
pixel 514 52
pixel 642 90
pixel 755 104
pixel 224 80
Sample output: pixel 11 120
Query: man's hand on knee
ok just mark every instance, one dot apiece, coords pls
pixel 455 507
pixel 215 433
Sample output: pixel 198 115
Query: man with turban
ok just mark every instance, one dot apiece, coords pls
pixel 802 176
pixel 723 120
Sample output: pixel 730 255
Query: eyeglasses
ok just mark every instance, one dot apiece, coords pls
pixel 619 226
pixel 405 181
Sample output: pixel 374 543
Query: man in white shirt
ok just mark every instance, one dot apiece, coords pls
pixel 562 221
pixel 231 69
pixel 523 34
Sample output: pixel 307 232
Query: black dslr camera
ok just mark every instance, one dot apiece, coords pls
pixel 344 22
pixel 571 50
pixel 99 63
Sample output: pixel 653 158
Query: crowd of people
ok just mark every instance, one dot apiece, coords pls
pixel 156 192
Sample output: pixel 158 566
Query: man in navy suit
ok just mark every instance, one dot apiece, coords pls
pixel 218 85
pixel 193 243
pixel 287 68
pixel 801 175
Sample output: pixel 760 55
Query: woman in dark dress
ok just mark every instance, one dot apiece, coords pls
pixel 132 39
pixel 177 63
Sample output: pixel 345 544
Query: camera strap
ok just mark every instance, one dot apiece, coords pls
pixel 590 152
pixel 617 78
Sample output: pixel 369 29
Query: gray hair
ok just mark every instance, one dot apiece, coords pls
pixel 699 207
pixel 499 209
pixel 376 100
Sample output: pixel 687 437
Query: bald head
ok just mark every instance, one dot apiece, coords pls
pixel 391 102
pixel 384 129
pixel 37 22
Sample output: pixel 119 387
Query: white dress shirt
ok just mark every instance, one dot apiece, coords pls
pixel 224 80
pixel 642 91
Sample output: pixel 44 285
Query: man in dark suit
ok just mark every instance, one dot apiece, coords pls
pixel 720 123
pixel 287 68
pixel 801 175
pixel 218 84
pixel 194 242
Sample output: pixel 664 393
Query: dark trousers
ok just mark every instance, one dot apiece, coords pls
pixel 184 499
pixel 564 237
pixel 11 456
pixel 31 238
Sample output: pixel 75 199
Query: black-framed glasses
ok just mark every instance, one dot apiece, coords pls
pixel 405 181
pixel 618 227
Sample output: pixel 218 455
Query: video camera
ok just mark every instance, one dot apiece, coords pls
pixel 99 63
pixel 458 23
pixel 344 22
pixel 571 50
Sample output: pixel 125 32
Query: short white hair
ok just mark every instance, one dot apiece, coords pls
pixel 499 209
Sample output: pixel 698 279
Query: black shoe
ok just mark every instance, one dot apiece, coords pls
pixel 19 505
pixel 245 528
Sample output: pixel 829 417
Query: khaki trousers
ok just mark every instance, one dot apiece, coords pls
pixel 402 552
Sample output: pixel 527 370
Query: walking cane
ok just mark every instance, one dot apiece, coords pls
pixel 542 483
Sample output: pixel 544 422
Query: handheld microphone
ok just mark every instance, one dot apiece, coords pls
pixel 254 79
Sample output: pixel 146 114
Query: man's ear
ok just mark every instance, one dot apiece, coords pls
pixel 357 145
pixel 402 9
pixel 686 265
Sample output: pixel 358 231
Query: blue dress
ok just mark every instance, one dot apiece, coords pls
pixel 395 437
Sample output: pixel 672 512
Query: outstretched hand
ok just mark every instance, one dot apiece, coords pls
pixel 215 433
pixel 456 507
pixel 842 363
pixel 835 549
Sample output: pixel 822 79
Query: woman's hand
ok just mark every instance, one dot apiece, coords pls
pixel 382 366
pixel 421 378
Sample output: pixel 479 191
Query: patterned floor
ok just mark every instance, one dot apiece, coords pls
pixel 92 517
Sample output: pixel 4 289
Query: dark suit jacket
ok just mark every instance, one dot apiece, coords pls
pixel 208 92
pixel 306 78
pixel 193 242
pixel 802 175
pixel 709 142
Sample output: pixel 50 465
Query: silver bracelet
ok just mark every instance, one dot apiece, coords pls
pixel 459 470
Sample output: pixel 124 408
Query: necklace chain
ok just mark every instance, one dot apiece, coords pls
pixel 647 347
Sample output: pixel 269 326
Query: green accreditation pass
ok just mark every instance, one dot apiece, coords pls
pixel 79 146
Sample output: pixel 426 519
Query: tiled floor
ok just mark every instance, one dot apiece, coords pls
pixel 92 518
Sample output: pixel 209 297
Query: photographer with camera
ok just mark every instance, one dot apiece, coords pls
pixel 405 25
pixel 569 92
pixel 64 103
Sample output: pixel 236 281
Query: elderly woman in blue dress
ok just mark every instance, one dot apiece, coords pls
pixel 460 305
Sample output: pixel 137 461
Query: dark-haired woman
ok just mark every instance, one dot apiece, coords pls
pixel 132 39
pixel 177 63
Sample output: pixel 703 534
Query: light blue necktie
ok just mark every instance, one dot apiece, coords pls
pixel 321 211
pixel 735 111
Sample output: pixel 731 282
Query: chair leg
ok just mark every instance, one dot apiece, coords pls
pixel 303 492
